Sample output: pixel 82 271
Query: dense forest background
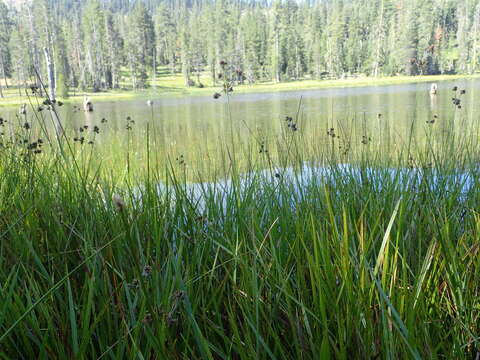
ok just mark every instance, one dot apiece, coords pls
pixel 94 44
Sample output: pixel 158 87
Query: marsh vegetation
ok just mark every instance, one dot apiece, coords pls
pixel 240 223
pixel 353 236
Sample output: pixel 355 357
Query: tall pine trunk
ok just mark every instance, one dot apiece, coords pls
pixel 50 73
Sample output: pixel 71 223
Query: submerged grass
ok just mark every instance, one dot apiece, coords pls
pixel 375 260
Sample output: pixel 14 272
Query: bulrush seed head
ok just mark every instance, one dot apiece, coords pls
pixel 118 202
pixel 147 271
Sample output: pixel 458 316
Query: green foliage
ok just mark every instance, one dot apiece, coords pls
pixel 278 41
pixel 140 42
pixel 378 259
pixel 62 86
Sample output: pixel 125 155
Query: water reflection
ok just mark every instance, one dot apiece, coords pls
pixel 289 185
pixel 196 125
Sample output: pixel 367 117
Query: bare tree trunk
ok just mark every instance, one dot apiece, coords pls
pixel 172 61
pixel 4 75
pixel 297 62
pixel 4 72
pixel 50 73
pixel 133 73
pixel 277 58
pixel 476 23
pixel 19 79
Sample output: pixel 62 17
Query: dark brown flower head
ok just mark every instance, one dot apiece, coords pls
pixel 148 318
pixel 118 202
pixel 135 283
pixel 147 271
pixel 178 295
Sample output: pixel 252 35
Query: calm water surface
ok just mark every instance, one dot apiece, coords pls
pixel 194 126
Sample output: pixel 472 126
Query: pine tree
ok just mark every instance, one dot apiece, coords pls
pixel 140 44
pixel 20 58
pixel 89 42
pixel 114 57
pixel 94 45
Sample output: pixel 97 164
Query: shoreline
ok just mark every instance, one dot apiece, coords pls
pixel 176 92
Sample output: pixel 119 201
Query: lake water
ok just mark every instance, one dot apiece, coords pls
pixel 192 128
pixel 300 181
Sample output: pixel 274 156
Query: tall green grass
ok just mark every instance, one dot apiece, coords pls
pixel 359 263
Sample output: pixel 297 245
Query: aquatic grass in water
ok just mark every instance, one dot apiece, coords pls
pixel 285 257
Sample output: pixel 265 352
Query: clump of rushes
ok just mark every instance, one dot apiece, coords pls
pixel 34 89
pixel 432 121
pixel 345 147
pixel 331 133
pixel 456 100
pixel 291 124
pixel 366 140
pixel 130 123
pixel 228 80
pixel 263 149
pixel 80 139
pixel 147 271
pixel 181 160
pixel 374 259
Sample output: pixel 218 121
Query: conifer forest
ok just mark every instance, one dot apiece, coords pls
pixel 94 44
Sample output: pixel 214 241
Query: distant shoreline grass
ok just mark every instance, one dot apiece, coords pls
pixel 173 87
